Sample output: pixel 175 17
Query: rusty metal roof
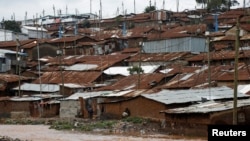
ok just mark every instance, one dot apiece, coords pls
pixel 201 77
pixel 4 98
pixel 12 78
pixel 6 44
pixel 147 81
pixel 58 77
pixel 245 19
pixel 154 57
pixel 166 35
pixel 224 38
pixel 245 27
pixel 178 69
pixel 102 61
pixel 196 78
pixel 191 29
pixel 64 39
pixel 125 93
pixel 220 55
pixel 228 74
pixel 30 45
pixel 245 37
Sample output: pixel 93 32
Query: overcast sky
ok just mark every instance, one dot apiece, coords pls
pixel 18 8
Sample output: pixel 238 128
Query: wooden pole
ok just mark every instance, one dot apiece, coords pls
pixel 236 74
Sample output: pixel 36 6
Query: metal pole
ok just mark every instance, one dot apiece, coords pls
pixel 19 77
pixel 18 64
pixel 38 60
pixel 4 33
pixel 208 61
pixel 17 46
pixel 139 66
pixel 62 77
pixel 236 74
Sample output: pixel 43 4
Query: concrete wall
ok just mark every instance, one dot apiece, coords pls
pixel 69 108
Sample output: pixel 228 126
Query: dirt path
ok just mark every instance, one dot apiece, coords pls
pixel 43 133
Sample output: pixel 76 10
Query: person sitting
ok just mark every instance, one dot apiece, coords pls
pixel 126 113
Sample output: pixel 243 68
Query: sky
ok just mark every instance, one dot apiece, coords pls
pixel 16 9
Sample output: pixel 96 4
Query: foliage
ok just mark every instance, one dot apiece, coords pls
pixel 118 20
pixel 23 121
pixel 104 124
pixel 149 9
pixel 61 126
pixel 90 126
pixel 12 25
pixel 218 4
pixel 86 24
pixel 135 120
pixel 135 69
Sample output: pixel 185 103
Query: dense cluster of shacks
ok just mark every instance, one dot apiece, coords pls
pixel 62 68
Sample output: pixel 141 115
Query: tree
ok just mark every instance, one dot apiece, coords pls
pixel 232 3
pixel 135 69
pixel 149 9
pixel 86 24
pixel 12 25
pixel 218 4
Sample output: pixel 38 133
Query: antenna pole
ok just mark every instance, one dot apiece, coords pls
pixel 134 7
pixel 100 9
pixel 90 6
pixel 54 10
pixel 177 6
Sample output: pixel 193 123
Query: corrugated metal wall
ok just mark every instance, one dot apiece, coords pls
pixel 187 44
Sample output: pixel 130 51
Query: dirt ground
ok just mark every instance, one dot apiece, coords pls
pixel 42 132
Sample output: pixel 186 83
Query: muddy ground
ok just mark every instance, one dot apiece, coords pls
pixel 30 129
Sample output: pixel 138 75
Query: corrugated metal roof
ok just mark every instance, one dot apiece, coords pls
pixel 5 51
pixel 208 107
pixel 220 55
pixel 86 95
pixel 102 61
pixel 36 87
pixel 47 95
pixel 192 95
pixel 68 77
pixel 81 67
pixel 244 88
pixel 124 70
pixel 13 43
pixel 35 28
pixel 4 98
pixel 147 81
pixel 117 94
pixel 72 85
pixel 12 78
pixel 25 99
pixel 154 57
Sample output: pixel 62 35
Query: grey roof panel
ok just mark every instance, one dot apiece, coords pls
pixel 36 87
pixel 192 95
pixel 210 106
